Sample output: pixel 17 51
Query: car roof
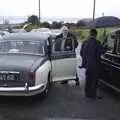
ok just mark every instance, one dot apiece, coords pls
pixel 115 30
pixel 27 36
pixel 55 32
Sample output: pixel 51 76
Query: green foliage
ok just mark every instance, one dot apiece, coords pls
pixel 33 19
pixel 83 34
pixel 80 23
pixel 46 24
pixel 56 25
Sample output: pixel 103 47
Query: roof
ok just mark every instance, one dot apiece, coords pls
pixel 55 32
pixel 26 36
pixel 46 30
pixel 115 30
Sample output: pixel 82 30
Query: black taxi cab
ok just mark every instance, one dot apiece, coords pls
pixel 111 60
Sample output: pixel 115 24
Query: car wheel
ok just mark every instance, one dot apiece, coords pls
pixel 77 80
pixel 46 91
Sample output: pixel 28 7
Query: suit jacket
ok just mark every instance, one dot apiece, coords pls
pixel 68 41
pixel 91 51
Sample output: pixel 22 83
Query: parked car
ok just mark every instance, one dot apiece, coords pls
pixel 29 62
pixel 111 60
pixel 44 30
pixel 2 33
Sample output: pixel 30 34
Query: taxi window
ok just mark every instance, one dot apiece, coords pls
pixel 110 42
pixel 63 45
pixel 118 43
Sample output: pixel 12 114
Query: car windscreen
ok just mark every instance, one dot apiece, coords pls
pixel 22 46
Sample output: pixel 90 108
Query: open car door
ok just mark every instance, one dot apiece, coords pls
pixel 63 60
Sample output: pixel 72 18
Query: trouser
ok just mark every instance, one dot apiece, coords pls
pixel 91 82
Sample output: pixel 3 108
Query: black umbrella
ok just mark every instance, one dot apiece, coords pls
pixel 106 21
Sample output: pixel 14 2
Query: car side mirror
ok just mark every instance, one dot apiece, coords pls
pixel 105 48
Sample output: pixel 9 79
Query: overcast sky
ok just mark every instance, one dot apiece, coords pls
pixel 61 8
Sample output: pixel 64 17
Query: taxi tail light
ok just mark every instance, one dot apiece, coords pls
pixel 32 76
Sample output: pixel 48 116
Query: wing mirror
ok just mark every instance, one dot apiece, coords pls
pixel 105 45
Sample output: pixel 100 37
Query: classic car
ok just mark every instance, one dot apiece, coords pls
pixel 111 60
pixel 2 33
pixel 44 30
pixel 29 62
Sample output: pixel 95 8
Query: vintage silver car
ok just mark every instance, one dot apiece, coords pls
pixel 29 62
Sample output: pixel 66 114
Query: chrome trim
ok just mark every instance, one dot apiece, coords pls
pixel 22 91
pixel 35 88
pixel 107 84
pixel 9 89
pixel 12 72
pixel 111 65
pixel 114 55
pixel 111 61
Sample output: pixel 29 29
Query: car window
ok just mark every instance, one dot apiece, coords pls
pixel 63 45
pixel 25 46
pixel 110 41
pixel 118 43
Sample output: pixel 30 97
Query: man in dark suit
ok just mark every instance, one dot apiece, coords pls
pixel 66 34
pixel 91 51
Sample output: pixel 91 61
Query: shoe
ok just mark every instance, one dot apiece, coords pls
pixel 98 97
pixel 94 97
pixel 80 67
pixel 64 82
pixel 77 83
pixel 88 96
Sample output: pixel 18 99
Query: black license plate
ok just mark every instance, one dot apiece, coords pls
pixel 9 77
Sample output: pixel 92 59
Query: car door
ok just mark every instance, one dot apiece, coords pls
pixel 63 61
pixel 108 61
pixel 116 64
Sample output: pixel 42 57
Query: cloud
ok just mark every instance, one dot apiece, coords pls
pixel 60 8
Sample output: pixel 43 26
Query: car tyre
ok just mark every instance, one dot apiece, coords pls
pixel 49 83
pixel 77 80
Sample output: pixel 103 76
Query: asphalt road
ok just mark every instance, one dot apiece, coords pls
pixel 64 102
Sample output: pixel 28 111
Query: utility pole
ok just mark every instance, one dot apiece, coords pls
pixel 103 14
pixel 94 5
pixel 104 31
pixel 39 12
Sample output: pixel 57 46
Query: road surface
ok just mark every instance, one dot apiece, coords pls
pixel 64 102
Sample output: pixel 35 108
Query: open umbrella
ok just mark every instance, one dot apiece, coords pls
pixel 106 21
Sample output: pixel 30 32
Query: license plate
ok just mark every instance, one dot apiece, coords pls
pixel 7 77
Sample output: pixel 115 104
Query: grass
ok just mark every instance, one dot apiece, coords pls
pixel 83 33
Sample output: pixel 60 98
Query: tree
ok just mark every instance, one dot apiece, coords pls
pixel 56 25
pixel 81 23
pixel 33 19
pixel 46 24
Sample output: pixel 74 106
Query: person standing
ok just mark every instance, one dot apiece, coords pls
pixel 91 51
pixel 66 33
pixel 67 45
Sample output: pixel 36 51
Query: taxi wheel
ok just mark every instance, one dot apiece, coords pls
pixel 77 80
pixel 46 91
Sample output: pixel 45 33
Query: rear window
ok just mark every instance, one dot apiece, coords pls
pixel 24 46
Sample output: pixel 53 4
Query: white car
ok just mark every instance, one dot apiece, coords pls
pixel 29 62
pixel 2 33
pixel 43 30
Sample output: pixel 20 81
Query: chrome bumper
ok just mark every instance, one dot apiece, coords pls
pixel 22 91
